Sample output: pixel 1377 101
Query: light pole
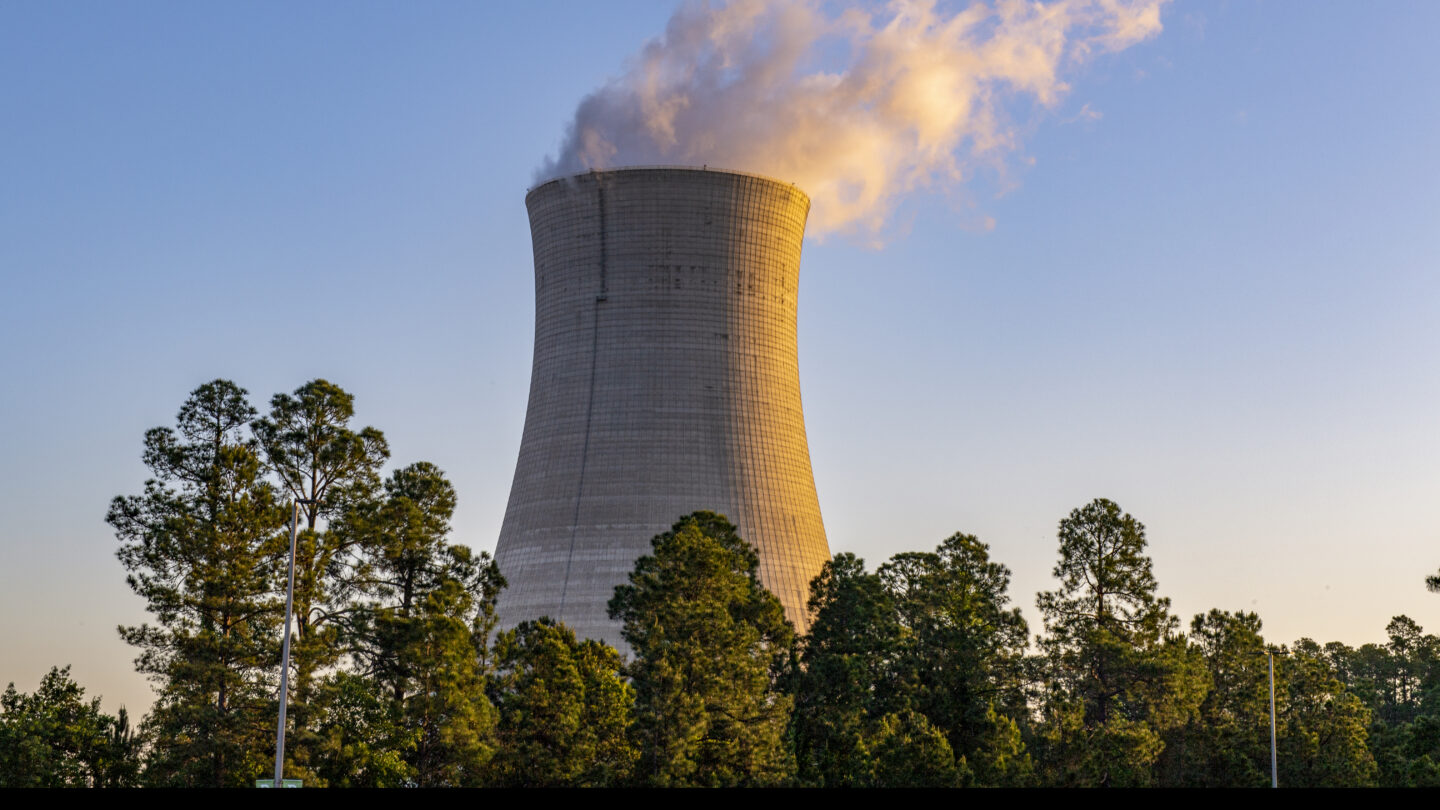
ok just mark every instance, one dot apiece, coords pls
pixel 285 646
pixel 1274 771
pixel 1269 654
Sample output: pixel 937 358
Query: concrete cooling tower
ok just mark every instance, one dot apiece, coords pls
pixel 665 381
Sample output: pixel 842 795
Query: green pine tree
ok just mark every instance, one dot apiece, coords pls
pixel 420 619
pixel 1117 675
pixel 710 645
pixel 960 657
pixel 325 465
pixel 564 708
pixel 1323 734
pixel 362 741
pixel 1227 743
pixel 55 738
pixel 846 680
pixel 203 546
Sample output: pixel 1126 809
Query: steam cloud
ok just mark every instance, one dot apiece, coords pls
pixel 919 99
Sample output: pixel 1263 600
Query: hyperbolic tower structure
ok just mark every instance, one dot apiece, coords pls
pixel 665 381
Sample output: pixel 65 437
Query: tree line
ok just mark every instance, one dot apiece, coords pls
pixel 919 672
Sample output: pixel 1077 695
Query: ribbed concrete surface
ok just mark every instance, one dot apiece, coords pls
pixel 665 381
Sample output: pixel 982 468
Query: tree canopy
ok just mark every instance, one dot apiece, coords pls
pixel 710 645
pixel 1116 674
pixel 55 738
pixel 203 547
pixel 919 673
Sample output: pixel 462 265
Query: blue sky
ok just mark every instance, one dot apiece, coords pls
pixel 1216 302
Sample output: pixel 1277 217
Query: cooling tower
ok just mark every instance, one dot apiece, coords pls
pixel 665 381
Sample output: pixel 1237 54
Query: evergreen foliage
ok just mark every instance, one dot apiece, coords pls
pixel 924 646
pixel 53 738
pixel 390 660
pixel 564 710
pixel 422 613
pixel 1227 743
pixel 203 546
pixel 711 645
pixel 914 675
pixel 446 707
pixel 318 460
pixel 1399 683
pixel 1116 676
pixel 959 662
pixel 1323 728
pixel 846 679
pixel 361 739
pixel 909 751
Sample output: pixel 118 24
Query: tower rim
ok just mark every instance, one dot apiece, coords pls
pixel 569 178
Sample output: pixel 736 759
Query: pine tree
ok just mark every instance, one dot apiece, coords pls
pixel 203 547
pixel 424 610
pixel 925 645
pixel 847 678
pixel 959 662
pixel 310 448
pixel 55 738
pixel 402 539
pixel 710 645
pixel 564 710
pixel 1118 675
pixel 909 751
pixel 1227 742
pixel 446 707
pixel 361 741
pixel 1323 737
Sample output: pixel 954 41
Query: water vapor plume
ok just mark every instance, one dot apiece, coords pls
pixel 856 106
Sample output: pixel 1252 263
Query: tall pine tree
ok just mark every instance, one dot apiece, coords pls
pixel 203 546
pixel 327 466
pixel 1117 673
pixel 423 611
pixel 710 644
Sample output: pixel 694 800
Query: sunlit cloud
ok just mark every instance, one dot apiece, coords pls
pixel 857 106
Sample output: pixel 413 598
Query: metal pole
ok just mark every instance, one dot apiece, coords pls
pixel 1274 774
pixel 285 650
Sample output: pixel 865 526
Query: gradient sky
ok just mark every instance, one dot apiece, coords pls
pixel 1210 292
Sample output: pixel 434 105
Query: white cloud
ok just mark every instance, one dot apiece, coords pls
pixel 919 102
